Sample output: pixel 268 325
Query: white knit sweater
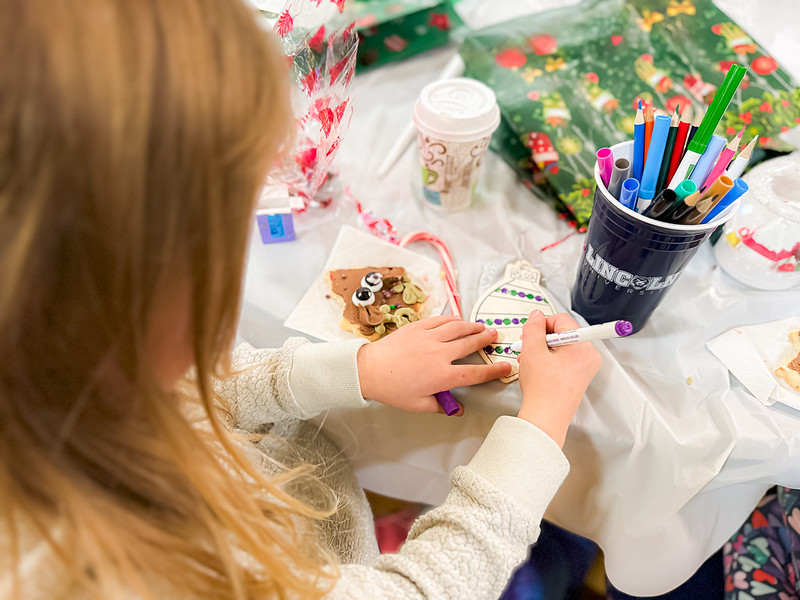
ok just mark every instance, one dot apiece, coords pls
pixel 465 548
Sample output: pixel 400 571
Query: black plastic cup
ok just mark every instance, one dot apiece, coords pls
pixel 629 262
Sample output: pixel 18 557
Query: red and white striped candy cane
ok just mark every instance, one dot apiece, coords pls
pixel 447 265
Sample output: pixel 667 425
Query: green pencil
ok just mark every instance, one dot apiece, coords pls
pixel 671 135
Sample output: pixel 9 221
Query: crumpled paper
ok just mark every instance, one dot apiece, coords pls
pixel 318 316
pixel 752 353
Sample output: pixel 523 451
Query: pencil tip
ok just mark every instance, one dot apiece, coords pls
pixel 741 132
pixel 640 105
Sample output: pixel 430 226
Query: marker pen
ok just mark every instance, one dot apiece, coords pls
pixel 603 331
pixel 629 193
pixel 698 143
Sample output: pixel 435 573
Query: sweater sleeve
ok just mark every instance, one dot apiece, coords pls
pixel 298 380
pixel 469 546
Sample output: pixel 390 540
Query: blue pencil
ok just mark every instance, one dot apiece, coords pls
pixel 706 161
pixel 628 193
pixel 739 188
pixel 638 144
pixel 652 167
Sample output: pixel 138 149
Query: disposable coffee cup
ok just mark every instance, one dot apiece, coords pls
pixel 630 262
pixel 455 119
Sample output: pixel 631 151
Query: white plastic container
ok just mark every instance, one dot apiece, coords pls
pixel 455 119
pixel 760 245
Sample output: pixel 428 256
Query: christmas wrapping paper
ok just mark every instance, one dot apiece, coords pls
pixel 568 82
pixel 391 30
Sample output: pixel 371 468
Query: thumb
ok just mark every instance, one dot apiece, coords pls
pixel 533 333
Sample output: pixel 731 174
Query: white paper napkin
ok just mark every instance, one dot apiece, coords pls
pixel 319 316
pixel 752 353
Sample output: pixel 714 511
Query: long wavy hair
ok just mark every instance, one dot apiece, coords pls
pixel 134 135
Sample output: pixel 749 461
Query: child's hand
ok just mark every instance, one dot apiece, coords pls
pixel 406 368
pixel 553 380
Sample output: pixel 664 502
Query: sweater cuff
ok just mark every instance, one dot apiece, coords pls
pixel 325 376
pixel 523 461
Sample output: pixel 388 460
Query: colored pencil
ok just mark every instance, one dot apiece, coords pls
pixel 605 161
pixel 707 159
pixel 680 142
pixel 629 193
pixel 638 143
pixel 671 137
pixel 724 159
pixel 649 122
pixel 698 118
pixel 699 142
pixel 619 173
pixel 740 162
pixel 652 164
pixel 739 188
pixel 708 200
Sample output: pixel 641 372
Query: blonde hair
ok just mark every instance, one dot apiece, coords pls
pixel 133 139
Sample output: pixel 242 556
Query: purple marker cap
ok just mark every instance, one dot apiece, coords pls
pixel 448 403
pixel 623 328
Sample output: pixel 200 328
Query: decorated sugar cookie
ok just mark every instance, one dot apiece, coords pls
pixel 505 306
pixel 376 300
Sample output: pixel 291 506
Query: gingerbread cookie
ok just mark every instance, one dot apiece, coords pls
pixel 377 300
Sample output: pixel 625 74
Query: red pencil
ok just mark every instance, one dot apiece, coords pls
pixel 649 120
pixel 677 151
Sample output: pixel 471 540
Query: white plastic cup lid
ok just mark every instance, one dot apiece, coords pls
pixel 457 110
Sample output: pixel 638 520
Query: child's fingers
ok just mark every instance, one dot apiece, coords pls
pixel 463 375
pixel 533 332
pixel 433 322
pixel 457 329
pixel 472 343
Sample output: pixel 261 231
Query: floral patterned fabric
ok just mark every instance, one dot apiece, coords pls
pixel 568 82
pixel 762 559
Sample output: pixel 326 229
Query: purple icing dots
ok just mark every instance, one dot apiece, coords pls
pixel 538 298
pixel 507 350
pixel 504 290
pixel 498 321
pixel 480 321
pixel 515 321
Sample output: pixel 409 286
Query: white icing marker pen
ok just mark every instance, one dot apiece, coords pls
pixel 603 331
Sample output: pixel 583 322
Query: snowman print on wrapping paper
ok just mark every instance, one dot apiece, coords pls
pixel 505 306
pixel 450 167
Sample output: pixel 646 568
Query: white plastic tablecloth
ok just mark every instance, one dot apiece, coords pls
pixel 669 453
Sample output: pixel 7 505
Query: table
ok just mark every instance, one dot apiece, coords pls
pixel 669 453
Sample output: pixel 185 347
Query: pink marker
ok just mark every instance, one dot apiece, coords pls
pixel 724 160
pixel 605 160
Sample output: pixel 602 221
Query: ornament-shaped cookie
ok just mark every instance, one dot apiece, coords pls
pixel 505 306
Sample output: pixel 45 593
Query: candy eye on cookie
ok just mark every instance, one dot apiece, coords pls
pixel 373 281
pixel 364 296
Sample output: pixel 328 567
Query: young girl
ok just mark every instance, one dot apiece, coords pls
pixel 134 136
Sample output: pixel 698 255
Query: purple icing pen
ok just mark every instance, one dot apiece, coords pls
pixel 603 331
pixel 447 402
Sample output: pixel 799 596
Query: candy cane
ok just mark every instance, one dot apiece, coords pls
pixel 447 266
pixel 384 229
